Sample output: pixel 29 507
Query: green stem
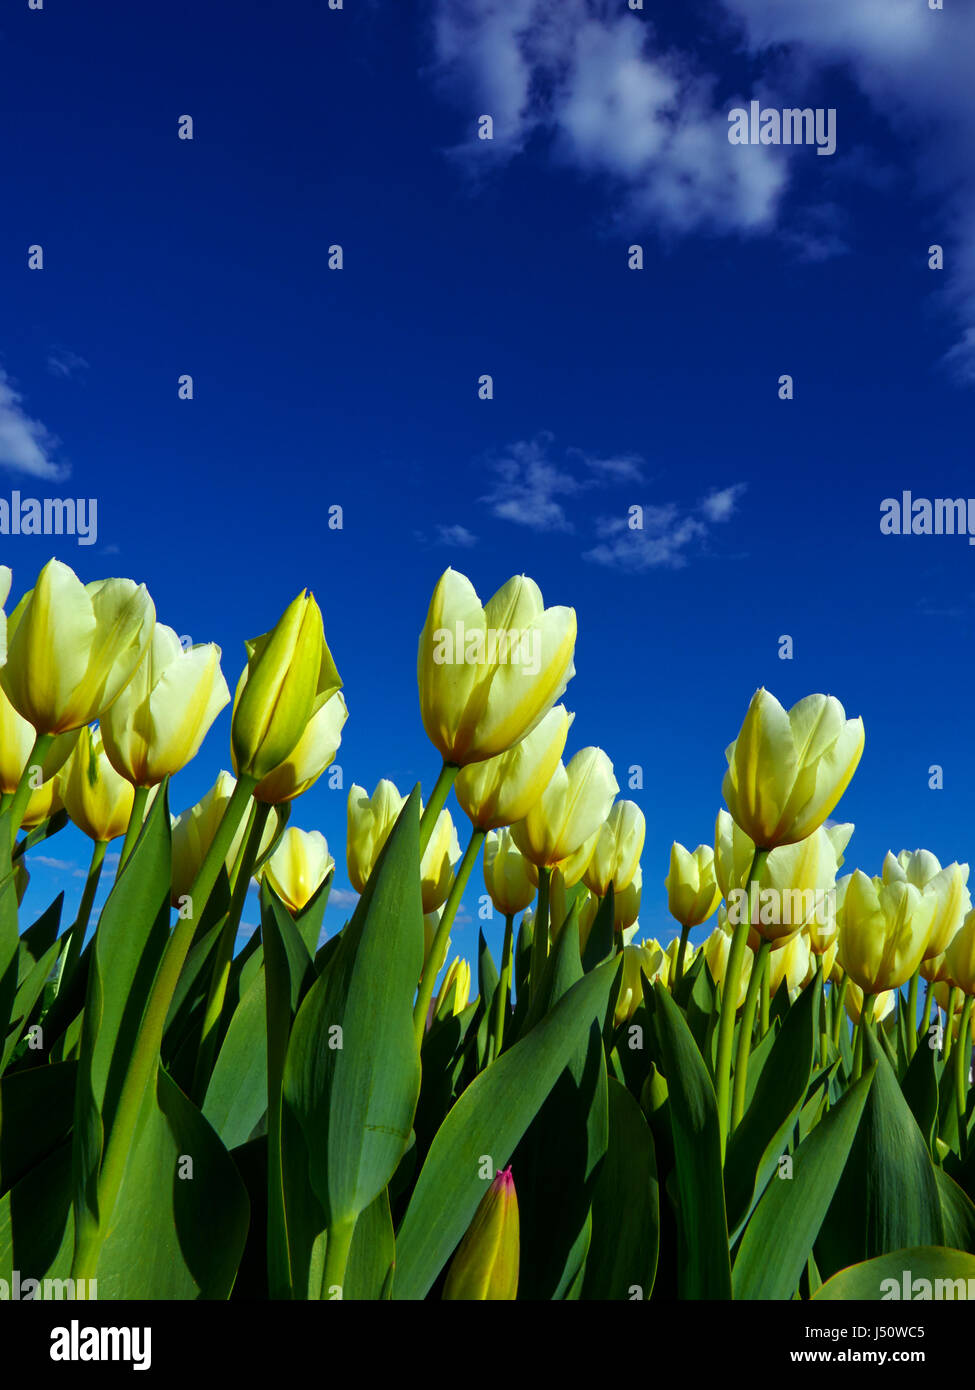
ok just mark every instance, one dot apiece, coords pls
pixel 839 1008
pixel 338 1245
pixel 431 811
pixel 223 955
pixel 540 932
pixel 139 799
pixel 503 992
pixel 765 1001
pixel 949 1020
pixel 681 949
pixel 926 1015
pixel 729 1001
pixel 18 802
pixel 912 1014
pixel 439 946
pixel 962 1055
pixel 759 968
pixel 866 1019
pixel 91 1230
pixel 76 933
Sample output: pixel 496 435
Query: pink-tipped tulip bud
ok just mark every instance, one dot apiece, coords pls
pixel 486 1263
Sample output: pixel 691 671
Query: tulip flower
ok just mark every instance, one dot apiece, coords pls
pixel 288 678
pixel 499 791
pixel 485 1267
pixel 6 579
pixel 789 963
pixel 571 809
pixel 853 1000
pixel 17 740
pixel 948 884
pixel 626 905
pixel 370 820
pixel 458 979
pixel 43 804
pixel 792 887
pixel 310 756
pixel 487 676
pixel 508 876
pixel 298 867
pixel 884 933
pixel 716 952
pixel 648 958
pixel 787 771
pixel 573 867
pixel 734 853
pixel 692 889
pixel 96 797
pixel 194 831
pixel 72 648
pixel 617 851
pixel 959 959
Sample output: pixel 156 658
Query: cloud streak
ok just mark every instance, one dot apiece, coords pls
pixel 26 445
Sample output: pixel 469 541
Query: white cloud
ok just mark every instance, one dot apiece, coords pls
pixel 25 444
pixel 456 536
pixel 719 505
pixel 64 363
pixel 531 489
pixel 668 534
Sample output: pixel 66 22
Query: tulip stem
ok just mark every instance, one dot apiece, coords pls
pixel 76 933
pixel 223 956
pixel 438 797
pixel 439 945
pixel 338 1243
pixel 926 1015
pixel 20 798
pixel 540 933
pixel 139 799
pixel 911 1029
pixel 759 969
pixel 503 992
pixel 949 1020
pixel 866 1019
pixel 729 1002
pixel 681 949
pixel 838 1008
pixel 765 1002
pixel 140 1078
pixel 962 1063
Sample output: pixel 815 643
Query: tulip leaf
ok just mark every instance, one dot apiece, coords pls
pixel 36 940
pixel 705 1268
pixel 487 1123
pixel 779 1237
pixel 26 997
pixel 602 935
pixel 921 1272
pixel 626 1207
pixel 37 1106
pixel 36 1223
pixel 236 1096
pixel 372 1254
pixel 958 1213
pixel 9 939
pixel 920 1088
pixel 888 1196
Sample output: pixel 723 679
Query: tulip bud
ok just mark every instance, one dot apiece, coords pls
pixel 794 886
pixel 458 980
pixel 619 845
pixel 289 676
pixel 692 890
pixel 948 885
pixel 298 867
pixel 508 876
pixel 788 962
pixel 647 958
pixel 370 820
pixel 626 905
pixel 43 804
pixel 16 743
pixel 673 947
pixel 853 1002
pixel 72 648
pixel 884 932
pixel 193 833
pixel 310 756
pixel 95 796
pixel 959 958
pixel 716 951
pixel 502 790
pixel 734 853
pixel 571 809
pixel 787 771
pixel 485 1266
pixel 158 722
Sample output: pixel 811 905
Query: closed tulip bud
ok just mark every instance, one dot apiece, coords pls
pixel 716 950
pixel 162 716
pixel 571 809
pixel 673 947
pixel 960 956
pixel 508 876
pixel 948 885
pixel 789 963
pixel 787 771
pixel 370 820
pixel 485 1267
pixel 72 648
pixel 310 756
pixel 43 804
pixel 6 578
pixel 648 958
pixel 487 676
pixel 794 886
pixel 437 864
pixel 618 848
pixel 734 853
pixel 298 867
pixel 96 797
pixel 193 833
pixel 499 791
pixel 853 1002
pixel 288 678
pixel 827 958
pixel 885 931
pixel 17 741
pixel 692 889
pixel 626 905
pixel 458 980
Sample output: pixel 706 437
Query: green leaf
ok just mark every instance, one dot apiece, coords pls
pixel 26 997
pixel 37 1106
pixel 487 1122
pixel 783 1227
pixel 958 1213
pixel 625 1208
pixel 373 1253
pixel 920 1088
pixel 236 1097
pixel 601 942
pixel 901 1270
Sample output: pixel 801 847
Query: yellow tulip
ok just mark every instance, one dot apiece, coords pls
pixel 16 743
pixel 499 791
pixel 853 1002
pixel 6 579
pixel 793 887
pixel 96 797
pixel 934 968
pixel 459 974
pixel 298 867
pixel 570 811
pixel 787 771
pixel 673 947
pixel 617 851
pixel 575 865
pixel 310 756
pixel 73 648
pixel 485 1267
pixel 163 715
pixel 948 885
pixel 788 963
pixel 370 820
pixel 734 853
pixel 508 876
pixel 437 864
pixel 193 833
pixel 288 677
pixel 487 676
pixel 960 956
pixel 884 932
pixel 647 958
pixel 43 804
pixel 692 889
pixel 626 905
pixel 716 950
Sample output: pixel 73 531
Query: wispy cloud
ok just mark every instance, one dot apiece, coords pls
pixel 25 444
pixel 531 486
pixel 662 536
pixel 342 897
pixel 456 535
pixel 64 363
pixel 62 865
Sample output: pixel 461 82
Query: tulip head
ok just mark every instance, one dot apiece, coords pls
pixel 508 876
pixel 789 963
pixel 787 770
pixel 43 804
pixel 959 958
pixel 437 864
pixel 716 951
pixel 617 851
pixel 884 932
pixel 692 889
pixel 16 744
pixel 456 988
pixel 646 959
pixel 792 888
pixel 488 675
pixel 310 756
pixel 298 867
pixel 502 790
pixel 948 885
pixel 626 905
pixel 288 677
pixel 96 797
pixel 734 853
pixel 370 820
pixel 72 648
pixel 570 811
pixel 853 1001
pixel 485 1266
pixel 193 833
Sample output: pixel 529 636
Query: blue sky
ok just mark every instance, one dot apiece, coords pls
pixel 612 387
